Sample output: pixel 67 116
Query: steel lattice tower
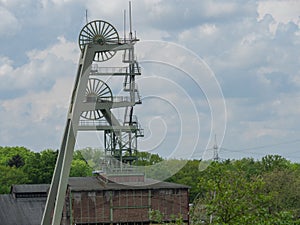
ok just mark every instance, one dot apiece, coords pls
pixel 91 106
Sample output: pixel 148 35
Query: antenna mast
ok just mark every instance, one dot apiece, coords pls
pixel 124 24
pixel 130 22
pixel 86 16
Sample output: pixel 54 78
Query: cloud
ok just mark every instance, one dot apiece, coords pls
pixel 252 47
pixel 282 12
pixel 63 50
pixel 181 15
pixel 42 70
pixel 37 24
pixel 34 97
pixel 9 25
pixel 36 119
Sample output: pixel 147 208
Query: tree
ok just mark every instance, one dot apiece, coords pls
pixel 235 192
pixel 229 197
pixel 40 166
pixel 16 161
pixel 156 216
pixel 10 176
pixel 283 185
pixel 80 168
pixel 93 156
pixel 164 169
pixel 147 159
pixel 271 162
pixel 188 175
pixel 8 153
pixel 249 166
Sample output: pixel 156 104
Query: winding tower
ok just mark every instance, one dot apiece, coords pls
pixel 92 108
pixel 120 134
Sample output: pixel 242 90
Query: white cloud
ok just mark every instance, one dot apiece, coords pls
pixel 253 48
pixel 272 118
pixel 36 120
pixel 219 9
pixel 5 66
pixel 282 12
pixel 41 106
pixel 43 68
pixel 202 32
pixel 34 97
pixel 64 50
pixel 296 78
pixel 9 23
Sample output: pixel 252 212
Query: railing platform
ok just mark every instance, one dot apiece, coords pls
pixel 114 71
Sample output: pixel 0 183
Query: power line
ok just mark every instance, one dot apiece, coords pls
pixel 272 145
pixel 216 150
pixel 246 150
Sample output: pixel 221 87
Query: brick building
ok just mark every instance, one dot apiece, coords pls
pixel 92 200
pixel 97 200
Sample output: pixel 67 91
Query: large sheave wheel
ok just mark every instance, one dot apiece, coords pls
pixel 99 32
pixel 96 91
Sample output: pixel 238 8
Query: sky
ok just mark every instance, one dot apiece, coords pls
pixel 229 69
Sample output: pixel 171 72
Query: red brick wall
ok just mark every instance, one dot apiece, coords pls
pixel 128 205
pixel 171 202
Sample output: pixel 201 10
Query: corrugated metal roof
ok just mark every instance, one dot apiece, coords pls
pixel 30 188
pixel 14 211
pixel 93 184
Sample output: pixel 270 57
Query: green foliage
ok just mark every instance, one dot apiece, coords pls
pixel 249 166
pixel 79 168
pixel 19 165
pixel 176 220
pixel 271 162
pixel 284 188
pixel 156 216
pixel 164 169
pixel 94 157
pixel 188 175
pixel 7 153
pixel 148 159
pixel 248 192
pixel 16 161
pixel 229 197
pixel 10 176
pixel 40 166
pixel 245 191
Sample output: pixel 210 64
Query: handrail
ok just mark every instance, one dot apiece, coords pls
pixel 94 123
pixel 109 99
pixel 113 70
pixel 127 40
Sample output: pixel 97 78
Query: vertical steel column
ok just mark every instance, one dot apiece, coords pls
pixel 57 192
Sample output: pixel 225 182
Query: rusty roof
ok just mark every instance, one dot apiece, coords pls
pixel 95 184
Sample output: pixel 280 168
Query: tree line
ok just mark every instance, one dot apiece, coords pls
pixel 244 191
pixel 19 165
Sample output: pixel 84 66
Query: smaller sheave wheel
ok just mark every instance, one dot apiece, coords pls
pixel 96 91
pixel 99 32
